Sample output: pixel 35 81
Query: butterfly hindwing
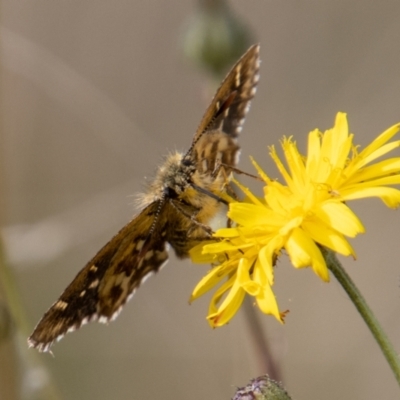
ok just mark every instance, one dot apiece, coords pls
pixel 107 281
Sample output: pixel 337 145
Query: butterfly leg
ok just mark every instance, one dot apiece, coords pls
pixel 192 217
pixel 239 171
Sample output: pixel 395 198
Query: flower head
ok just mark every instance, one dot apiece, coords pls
pixel 310 209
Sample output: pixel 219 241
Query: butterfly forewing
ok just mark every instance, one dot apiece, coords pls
pixel 178 207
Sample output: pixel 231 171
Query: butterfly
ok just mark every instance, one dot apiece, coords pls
pixel 178 207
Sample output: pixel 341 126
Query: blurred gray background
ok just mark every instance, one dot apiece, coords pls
pixel 94 93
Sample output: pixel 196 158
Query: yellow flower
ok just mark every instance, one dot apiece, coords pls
pixel 308 211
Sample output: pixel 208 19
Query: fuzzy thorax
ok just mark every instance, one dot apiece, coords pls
pixel 173 175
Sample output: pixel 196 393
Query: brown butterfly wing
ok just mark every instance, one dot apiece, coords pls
pixel 215 142
pixel 104 285
pixel 232 100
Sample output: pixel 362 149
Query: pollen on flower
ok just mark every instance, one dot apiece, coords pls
pixel 309 210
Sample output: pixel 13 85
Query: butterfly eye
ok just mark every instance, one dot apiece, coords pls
pixel 187 162
pixel 170 193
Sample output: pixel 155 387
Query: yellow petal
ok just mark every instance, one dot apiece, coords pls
pixel 198 256
pixel 386 167
pixel 334 141
pixel 249 214
pixel 260 172
pixel 295 162
pixel 390 196
pixel 280 166
pixel 377 153
pixel 383 181
pixel 313 152
pixel 291 224
pixel 247 192
pixel 210 280
pixel 244 280
pixel 213 307
pixel 340 217
pixel 265 261
pixel 303 252
pixel 229 306
pixel 267 303
pixel 219 247
pixel 328 237
pixel 226 233
pixel 380 140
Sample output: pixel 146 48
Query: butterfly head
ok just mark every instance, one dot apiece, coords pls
pixel 171 179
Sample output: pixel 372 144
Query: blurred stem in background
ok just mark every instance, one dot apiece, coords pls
pixel 8 365
pixel 22 373
pixel 215 39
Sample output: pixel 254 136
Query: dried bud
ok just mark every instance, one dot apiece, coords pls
pixel 262 388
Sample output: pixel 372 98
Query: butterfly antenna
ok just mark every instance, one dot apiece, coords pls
pixel 161 203
pixel 209 194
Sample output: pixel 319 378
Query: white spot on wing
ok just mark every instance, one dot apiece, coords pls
pixel 103 319
pixel 148 255
pixel 70 329
pixel 131 295
pixel 238 75
pixel 139 245
pixel 147 276
pixel 163 264
pixel 61 305
pixel 94 317
pixel 94 284
pixel 237 156
pixel 115 315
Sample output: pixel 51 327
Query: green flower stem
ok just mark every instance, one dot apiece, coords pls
pixel 366 313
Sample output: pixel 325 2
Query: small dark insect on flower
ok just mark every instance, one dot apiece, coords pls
pixel 177 210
